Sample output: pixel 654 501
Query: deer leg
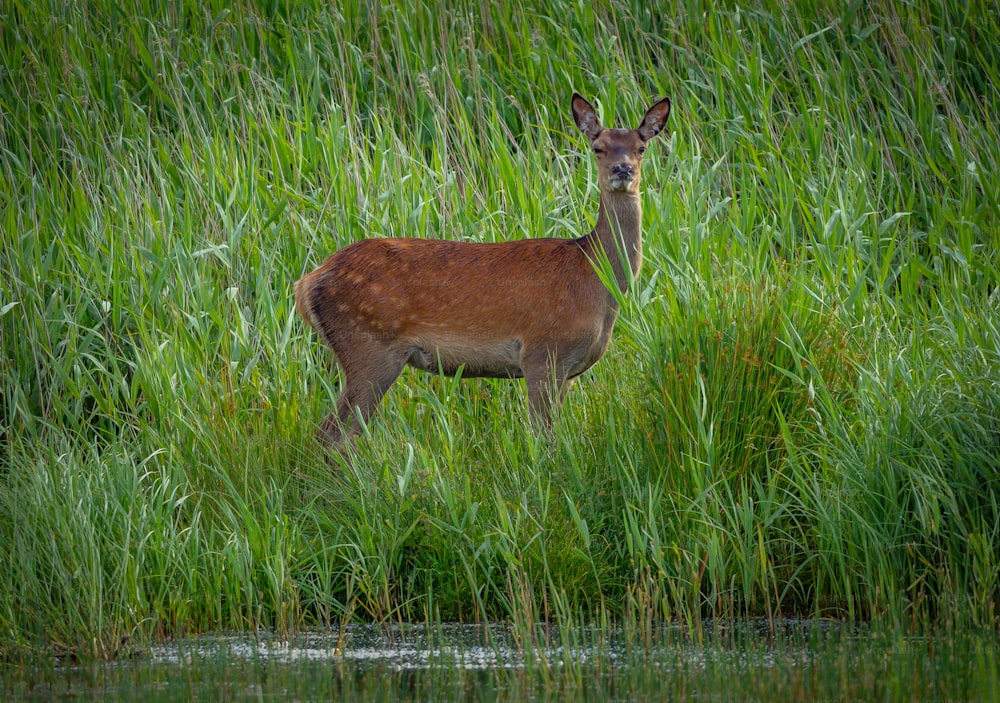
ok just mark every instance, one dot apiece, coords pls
pixel 364 385
pixel 547 386
pixel 540 400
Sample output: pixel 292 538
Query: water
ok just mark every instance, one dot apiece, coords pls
pixel 800 660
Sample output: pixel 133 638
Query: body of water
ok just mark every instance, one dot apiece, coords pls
pixel 793 660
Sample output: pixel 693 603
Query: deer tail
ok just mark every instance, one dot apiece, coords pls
pixel 302 302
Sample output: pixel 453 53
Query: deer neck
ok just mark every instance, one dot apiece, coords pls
pixel 618 233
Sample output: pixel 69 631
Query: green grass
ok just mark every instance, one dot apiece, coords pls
pixel 799 414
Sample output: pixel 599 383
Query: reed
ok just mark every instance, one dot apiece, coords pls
pixel 799 412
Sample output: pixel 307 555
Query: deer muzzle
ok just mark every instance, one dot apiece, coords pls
pixel 622 176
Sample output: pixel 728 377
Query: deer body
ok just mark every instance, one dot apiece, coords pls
pixel 533 308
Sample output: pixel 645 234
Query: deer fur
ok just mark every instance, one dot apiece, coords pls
pixel 533 308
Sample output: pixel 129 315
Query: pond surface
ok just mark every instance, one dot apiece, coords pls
pixel 799 660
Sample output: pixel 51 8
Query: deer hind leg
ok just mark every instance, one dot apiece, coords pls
pixel 367 375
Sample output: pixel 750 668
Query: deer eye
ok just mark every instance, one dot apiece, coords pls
pixel 642 150
pixel 598 150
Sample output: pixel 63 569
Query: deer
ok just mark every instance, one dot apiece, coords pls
pixel 537 309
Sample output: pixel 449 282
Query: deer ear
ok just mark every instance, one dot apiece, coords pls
pixel 585 117
pixel 654 121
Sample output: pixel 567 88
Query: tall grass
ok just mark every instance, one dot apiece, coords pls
pixel 800 412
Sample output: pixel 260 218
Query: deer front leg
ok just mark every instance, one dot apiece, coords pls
pixel 547 386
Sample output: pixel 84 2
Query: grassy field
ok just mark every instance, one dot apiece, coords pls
pixel 799 413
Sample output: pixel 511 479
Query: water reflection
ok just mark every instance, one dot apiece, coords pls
pixel 750 661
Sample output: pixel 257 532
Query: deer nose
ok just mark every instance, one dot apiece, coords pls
pixel 622 171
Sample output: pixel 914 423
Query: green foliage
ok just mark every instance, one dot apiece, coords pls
pixel 799 414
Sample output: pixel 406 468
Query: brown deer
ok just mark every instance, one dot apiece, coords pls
pixel 534 308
